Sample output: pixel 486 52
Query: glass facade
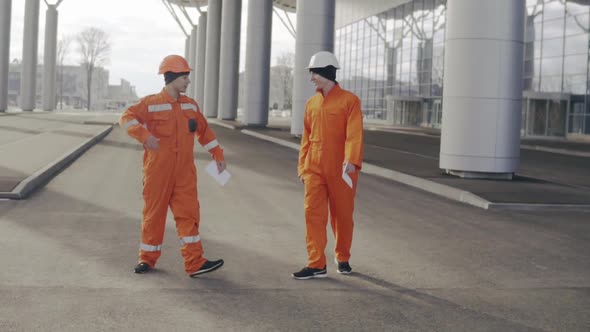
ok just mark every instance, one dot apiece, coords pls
pixel 394 60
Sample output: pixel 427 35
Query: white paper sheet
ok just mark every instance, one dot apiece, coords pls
pixel 346 177
pixel 222 177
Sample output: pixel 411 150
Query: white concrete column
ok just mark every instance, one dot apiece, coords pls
pixel 192 59
pixel 187 47
pixel 229 66
pixel 315 32
pixel 29 63
pixel 5 12
pixel 199 85
pixel 212 58
pixel 49 59
pixel 482 88
pixel 258 62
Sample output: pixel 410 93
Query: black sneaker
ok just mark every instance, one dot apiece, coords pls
pixel 310 272
pixel 142 268
pixel 209 266
pixel 344 267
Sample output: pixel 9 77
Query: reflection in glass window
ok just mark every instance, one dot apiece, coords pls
pixel 397 52
pixel 438 51
pixel 439 33
pixel 536 83
pixel 529 69
pixel 575 84
pixel 428 26
pixel 575 64
pixel 537 51
pixel 530 30
pixel 538 29
pixel 551 83
pixel 414 77
pixel 576 44
pixel 551 66
pixel 533 6
pixel 553 9
pixel 354 30
pixel 398 71
pixel 579 119
pixel 577 24
pixel 577 7
pixel 529 50
pixel 408 8
pixel 389 22
pixel 427 49
pixel 553 28
pixel 405 73
pixel 552 47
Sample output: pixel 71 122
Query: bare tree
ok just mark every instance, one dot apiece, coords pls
pixel 63 49
pixel 285 63
pixel 94 47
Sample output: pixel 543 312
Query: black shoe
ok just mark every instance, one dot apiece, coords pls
pixel 344 267
pixel 142 268
pixel 310 272
pixel 209 266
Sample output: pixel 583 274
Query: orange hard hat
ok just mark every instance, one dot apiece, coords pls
pixel 175 64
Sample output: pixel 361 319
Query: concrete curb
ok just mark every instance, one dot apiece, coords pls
pixel 403 132
pixel 538 207
pixel 427 185
pixel 275 140
pixel 522 146
pixel 438 189
pixel 412 181
pixel 555 150
pixel 43 175
pixel 221 124
pixel 101 123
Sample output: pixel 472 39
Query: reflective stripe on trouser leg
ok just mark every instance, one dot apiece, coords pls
pixel 149 247
pixel 185 207
pixel 316 218
pixel 156 194
pixel 341 198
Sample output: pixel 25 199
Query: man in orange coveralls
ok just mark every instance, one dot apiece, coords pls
pixel 331 150
pixel 166 124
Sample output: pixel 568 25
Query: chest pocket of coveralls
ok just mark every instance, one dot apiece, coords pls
pixel 162 123
pixel 336 123
pixel 191 122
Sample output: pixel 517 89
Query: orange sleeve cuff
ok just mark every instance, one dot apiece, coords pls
pixel 217 153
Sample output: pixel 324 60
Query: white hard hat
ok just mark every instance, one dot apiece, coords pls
pixel 323 59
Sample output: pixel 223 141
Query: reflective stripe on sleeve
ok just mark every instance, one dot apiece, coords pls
pixel 131 123
pixel 147 247
pixel 159 108
pixel 188 106
pixel 211 145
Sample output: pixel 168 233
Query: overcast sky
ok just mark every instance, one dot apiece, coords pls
pixel 141 32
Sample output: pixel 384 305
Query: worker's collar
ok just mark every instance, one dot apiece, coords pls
pixel 168 97
pixel 334 89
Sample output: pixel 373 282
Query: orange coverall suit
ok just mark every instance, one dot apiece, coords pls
pixel 169 174
pixel 332 134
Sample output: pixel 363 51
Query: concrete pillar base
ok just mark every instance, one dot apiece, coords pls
pixel 480 175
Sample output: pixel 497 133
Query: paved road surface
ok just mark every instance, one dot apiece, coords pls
pixel 421 263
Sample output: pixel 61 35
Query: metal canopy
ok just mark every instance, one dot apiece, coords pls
pixel 288 5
